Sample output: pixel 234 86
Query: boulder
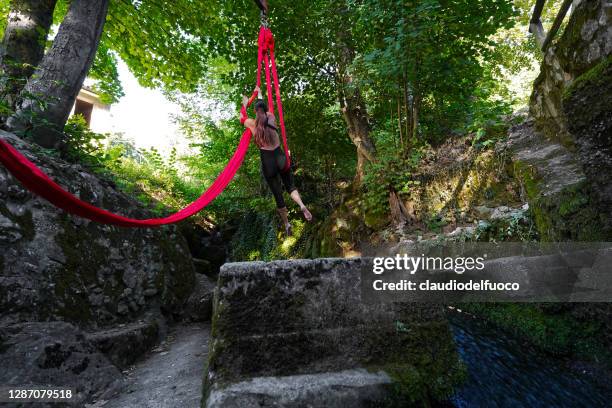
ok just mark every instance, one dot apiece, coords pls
pixel 123 345
pixel 55 354
pixel 54 266
pixel 200 303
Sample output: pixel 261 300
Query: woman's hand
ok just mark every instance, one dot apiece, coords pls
pixel 245 100
pixel 258 90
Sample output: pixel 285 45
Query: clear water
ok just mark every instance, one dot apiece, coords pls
pixel 505 373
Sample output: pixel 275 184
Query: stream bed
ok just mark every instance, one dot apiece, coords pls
pixel 504 372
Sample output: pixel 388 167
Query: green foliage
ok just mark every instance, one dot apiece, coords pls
pixel 259 238
pixel 486 122
pixel 390 173
pixel 163 43
pixel 83 145
pixel 518 227
pixel 4 10
pixel 104 71
pixel 436 50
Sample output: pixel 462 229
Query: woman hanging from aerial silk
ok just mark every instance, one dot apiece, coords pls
pixel 273 158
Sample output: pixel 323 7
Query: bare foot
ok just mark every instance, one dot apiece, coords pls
pixel 306 213
pixel 288 230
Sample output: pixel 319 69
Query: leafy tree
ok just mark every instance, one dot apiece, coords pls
pixel 428 56
pixel 160 41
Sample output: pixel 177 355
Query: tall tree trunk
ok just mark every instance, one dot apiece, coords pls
pixel 399 123
pixel 405 89
pixel 60 75
pixel 416 103
pixel 23 45
pixel 355 115
pixel 353 107
pixel 415 116
pixel 391 116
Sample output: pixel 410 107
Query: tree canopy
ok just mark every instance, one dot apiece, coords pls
pixel 364 82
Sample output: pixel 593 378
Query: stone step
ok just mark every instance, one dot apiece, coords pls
pixel 554 166
pixel 556 187
pixel 348 388
pixel 316 351
pixel 125 344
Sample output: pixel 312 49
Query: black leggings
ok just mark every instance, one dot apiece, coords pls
pixel 272 164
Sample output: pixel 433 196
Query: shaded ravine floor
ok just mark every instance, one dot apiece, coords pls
pixel 503 372
pixel 170 376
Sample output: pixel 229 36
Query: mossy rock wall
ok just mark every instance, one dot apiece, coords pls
pixel 565 161
pixel 587 104
pixel 260 237
pixel 561 199
pixel 585 42
pixel 445 192
pixel 57 267
pixel 473 178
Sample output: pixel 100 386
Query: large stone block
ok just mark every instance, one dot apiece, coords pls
pixel 55 355
pixel 294 330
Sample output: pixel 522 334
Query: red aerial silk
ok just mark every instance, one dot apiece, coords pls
pixel 39 183
pixel 266 55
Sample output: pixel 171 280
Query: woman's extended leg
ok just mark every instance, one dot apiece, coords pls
pixel 295 196
pixel 287 178
pixel 281 207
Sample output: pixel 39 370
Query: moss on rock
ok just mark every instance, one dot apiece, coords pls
pixel 596 76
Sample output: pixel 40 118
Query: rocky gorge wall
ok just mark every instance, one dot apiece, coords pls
pixel 80 301
pixel 459 189
pixel 54 266
pixel 571 107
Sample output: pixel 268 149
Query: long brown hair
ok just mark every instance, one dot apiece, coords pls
pixel 264 134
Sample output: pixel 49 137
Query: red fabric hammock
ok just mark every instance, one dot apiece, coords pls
pixel 39 183
pixel 266 55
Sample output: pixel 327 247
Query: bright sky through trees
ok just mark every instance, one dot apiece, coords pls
pixel 146 115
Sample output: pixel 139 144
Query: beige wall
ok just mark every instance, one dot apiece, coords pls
pixel 101 116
